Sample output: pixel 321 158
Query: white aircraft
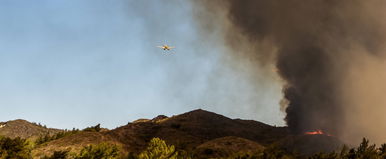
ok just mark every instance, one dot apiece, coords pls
pixel 166 47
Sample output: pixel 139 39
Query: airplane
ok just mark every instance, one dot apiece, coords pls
pixel 166 47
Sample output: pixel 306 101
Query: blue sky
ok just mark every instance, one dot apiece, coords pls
pixel 76 63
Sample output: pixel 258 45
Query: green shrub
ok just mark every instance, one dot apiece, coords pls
pixel 14 148
pixel 158 149
pixel 100 151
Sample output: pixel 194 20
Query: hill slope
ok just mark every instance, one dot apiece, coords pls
pixel 226 146
pixel 198 130
pixel 24 129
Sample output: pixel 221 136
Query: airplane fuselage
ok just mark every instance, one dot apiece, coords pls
pixel 165 47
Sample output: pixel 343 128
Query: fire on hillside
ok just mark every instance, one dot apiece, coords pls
pixel 316 132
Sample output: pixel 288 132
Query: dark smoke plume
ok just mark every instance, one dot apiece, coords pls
pixel 317 42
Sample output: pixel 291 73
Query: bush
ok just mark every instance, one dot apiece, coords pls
pixel 14 148
pixel 100 151
pixel 57 155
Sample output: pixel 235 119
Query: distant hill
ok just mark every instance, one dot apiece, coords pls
pixel 24 129
pixel 200 131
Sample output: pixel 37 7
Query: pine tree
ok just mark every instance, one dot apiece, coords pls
pixel 158 149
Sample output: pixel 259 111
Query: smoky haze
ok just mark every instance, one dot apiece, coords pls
pixel 329 54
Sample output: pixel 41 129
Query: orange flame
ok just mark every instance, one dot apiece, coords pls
pixel 317 132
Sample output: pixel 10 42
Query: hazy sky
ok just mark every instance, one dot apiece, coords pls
pixel 76 63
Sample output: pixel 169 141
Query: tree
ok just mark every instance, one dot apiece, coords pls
pixel 158 149
pixel 366 151
pixel 382 151
pixel 95 128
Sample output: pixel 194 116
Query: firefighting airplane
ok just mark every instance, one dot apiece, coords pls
pixel 166 47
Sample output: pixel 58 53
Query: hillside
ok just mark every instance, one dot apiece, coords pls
pixel 199 131
pixel 226 146
pixel 73 143
pixel 188 130
pixel 310 144
pixel 24 129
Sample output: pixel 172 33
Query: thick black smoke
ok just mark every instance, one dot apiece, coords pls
pixel 314 39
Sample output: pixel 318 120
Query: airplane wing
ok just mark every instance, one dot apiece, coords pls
pixel 171 47
pixel 160 46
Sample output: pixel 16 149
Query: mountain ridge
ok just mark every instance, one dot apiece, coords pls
pixel 193 131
